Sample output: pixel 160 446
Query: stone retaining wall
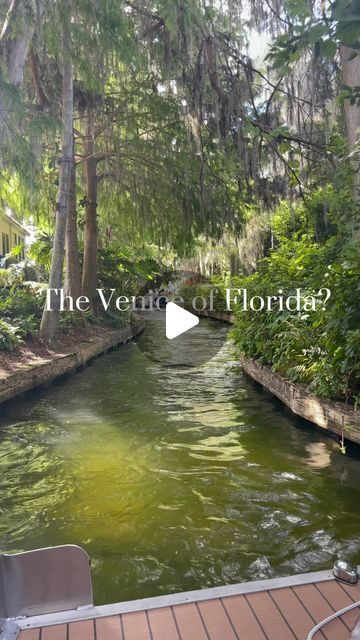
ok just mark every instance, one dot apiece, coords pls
pixel 335 417
pixel 35 374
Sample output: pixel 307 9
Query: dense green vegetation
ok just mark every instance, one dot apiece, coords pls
pixel 22 298
pixel 319 347
pixel 135 135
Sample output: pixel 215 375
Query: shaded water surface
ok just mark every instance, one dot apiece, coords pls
pixel 173 478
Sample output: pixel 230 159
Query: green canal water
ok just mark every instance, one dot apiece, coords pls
pixel 174 478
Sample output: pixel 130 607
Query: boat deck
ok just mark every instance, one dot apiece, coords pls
pixel 278 609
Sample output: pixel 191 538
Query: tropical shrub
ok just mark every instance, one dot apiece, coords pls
pixel 25 326
pixel 20 302
pixel 118 269
pixel 10 276
pixel 68 320
pixel 9 336
pixel 4 278
pixel 20 310
pixel 320 348
pixel 40 251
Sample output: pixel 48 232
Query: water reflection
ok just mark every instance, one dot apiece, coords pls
pixel 319 455
pixel 174 478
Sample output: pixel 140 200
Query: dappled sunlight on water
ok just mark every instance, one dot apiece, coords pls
pixel 174 478
pixel 225 448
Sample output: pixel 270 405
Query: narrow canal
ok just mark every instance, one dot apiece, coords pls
pixel 174 478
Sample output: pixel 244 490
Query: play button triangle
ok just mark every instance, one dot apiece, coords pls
pixel 178 320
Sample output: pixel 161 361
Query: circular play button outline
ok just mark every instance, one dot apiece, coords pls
pixel 176 337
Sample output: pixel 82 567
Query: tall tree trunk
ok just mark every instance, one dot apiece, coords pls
pixel 15 45
pixel 351 78
pixel 72 263
pixel 89 274
pixel 50 318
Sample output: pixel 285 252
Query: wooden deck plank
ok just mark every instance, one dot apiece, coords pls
pixel 319 609
pixel 294 612
pixel 162 624
pixel 109 628
pixel 29 634
pixel 269 616
pixel 135 626
pixel 243 618
pixel 189 622
pixel 285 611
pixel 83 630
pixel 57 632
pixel 216 620
pixel 353 590
pixel 338 598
